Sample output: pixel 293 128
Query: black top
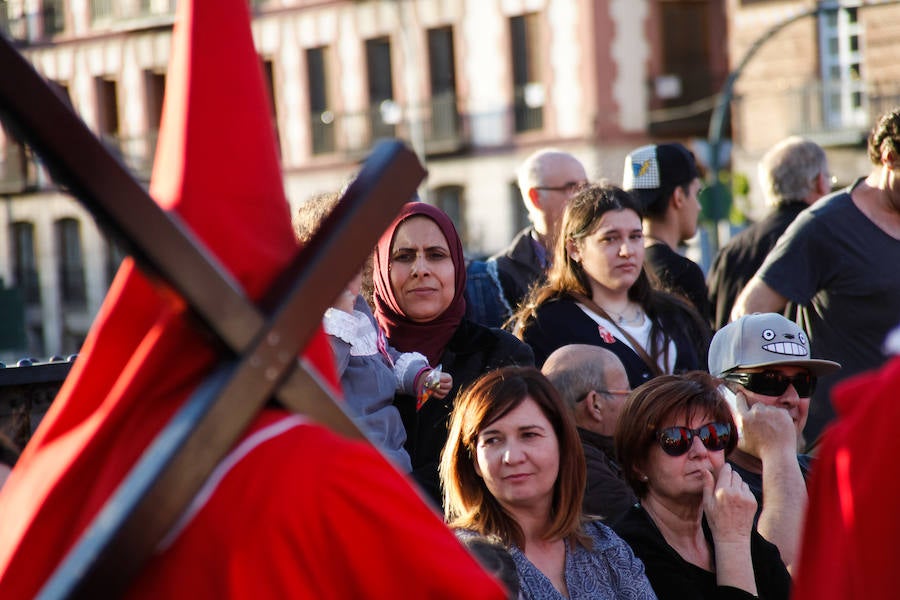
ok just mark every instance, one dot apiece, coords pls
pixel 519 267
pixel 560 322
pixel 472 351
pixel 606 494
pixel 679 275
pixel 739 259
pixel 674 578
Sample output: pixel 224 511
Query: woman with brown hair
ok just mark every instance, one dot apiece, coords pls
pixel 513 469
pixel 693 527
pixel 597 292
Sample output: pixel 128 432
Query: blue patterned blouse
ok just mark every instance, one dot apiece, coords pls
pixel 608 570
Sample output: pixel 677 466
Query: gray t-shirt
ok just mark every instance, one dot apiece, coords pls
pixel 844 272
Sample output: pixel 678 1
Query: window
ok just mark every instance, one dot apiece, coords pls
pixel 54 17
pixel 321 115
pixel 384 113
pixel 269 76
pixel 528 90
pixel 442 66
pixel 25 271
pixel 108 111
pixel 449 199
pixel 114 257
pixel 154 90
pixel 70 264
pixel 843 90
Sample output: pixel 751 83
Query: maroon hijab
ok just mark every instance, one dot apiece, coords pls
pixel 405 334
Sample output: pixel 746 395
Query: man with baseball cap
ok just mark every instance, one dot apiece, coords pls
pixel 769 377
pixel 665 180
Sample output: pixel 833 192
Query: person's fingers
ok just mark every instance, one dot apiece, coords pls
pixel 740 401
pixel 709 486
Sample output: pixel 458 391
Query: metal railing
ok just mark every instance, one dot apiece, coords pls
pixel 353 133
pixel 827 111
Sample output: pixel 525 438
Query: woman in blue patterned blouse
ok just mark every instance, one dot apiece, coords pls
pixel 513 470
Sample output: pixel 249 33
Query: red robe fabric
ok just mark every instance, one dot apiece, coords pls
pixel 850 538
pixel 303 513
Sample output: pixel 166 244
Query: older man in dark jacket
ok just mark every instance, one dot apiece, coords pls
pixel 593 383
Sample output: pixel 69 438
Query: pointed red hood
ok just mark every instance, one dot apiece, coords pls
pixel 217 167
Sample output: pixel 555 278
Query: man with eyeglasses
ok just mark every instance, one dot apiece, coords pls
pixel 769 377
pixel 666 181
pixel 547 180
pixel 594 385
pixel 794 175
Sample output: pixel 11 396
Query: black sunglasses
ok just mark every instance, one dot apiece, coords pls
pixel 774 383
pixel 676 441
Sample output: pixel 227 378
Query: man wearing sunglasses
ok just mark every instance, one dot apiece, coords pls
pixel 764 360
pixel 594 385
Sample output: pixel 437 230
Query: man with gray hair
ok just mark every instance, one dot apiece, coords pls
pixel 794 174
pixel 547 180
pixel 594 385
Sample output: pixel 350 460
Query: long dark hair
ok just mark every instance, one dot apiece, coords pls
pixel 567 279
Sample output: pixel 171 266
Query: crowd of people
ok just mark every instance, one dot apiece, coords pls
pixel 576 411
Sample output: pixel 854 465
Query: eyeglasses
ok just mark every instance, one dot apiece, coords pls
pixel 569 187
pixel 614 392
pixel 676 441
pixel 774 383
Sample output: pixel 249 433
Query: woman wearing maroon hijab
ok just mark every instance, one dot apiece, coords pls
pixel 420 279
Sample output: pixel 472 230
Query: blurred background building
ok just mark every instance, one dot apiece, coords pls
pixel 827 77
pixel 473 85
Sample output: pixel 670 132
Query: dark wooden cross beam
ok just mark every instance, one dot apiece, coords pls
pixel 262 342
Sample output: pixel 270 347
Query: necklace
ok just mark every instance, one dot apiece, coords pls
pixel 627 317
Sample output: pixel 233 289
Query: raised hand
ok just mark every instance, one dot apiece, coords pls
pixel 764 429
pixel 729 506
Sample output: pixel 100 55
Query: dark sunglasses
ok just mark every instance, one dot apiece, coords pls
pixel 676 441
pixel 773 383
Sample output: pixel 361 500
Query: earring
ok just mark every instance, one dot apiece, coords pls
pixel 644 478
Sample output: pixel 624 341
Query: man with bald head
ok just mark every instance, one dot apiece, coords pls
pixel 594 385
pixel 547 179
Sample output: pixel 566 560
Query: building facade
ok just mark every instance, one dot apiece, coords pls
pixel 826 76
pixel 473 85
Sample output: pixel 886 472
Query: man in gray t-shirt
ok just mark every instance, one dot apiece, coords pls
pixel 838 261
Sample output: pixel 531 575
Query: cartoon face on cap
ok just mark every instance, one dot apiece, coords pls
pixel 790 345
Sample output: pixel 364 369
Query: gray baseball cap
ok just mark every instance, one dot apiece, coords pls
pixel 762 340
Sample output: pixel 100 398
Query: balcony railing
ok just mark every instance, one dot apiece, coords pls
pixel 833 114
pixel 137 152
pixel 438 122
pixel 114 11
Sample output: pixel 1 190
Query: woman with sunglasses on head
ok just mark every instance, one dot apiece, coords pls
pixel 597 292
pixel 693 527
pixel 513 469
pixel 765 362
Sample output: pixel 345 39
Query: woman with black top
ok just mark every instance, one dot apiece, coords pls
pixel 597 292
pixel 693 527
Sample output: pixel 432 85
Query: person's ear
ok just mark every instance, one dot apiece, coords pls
pixel 678 198
pixel 888 157
pixel 534 196
pixel 592 404
pixel 572 250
